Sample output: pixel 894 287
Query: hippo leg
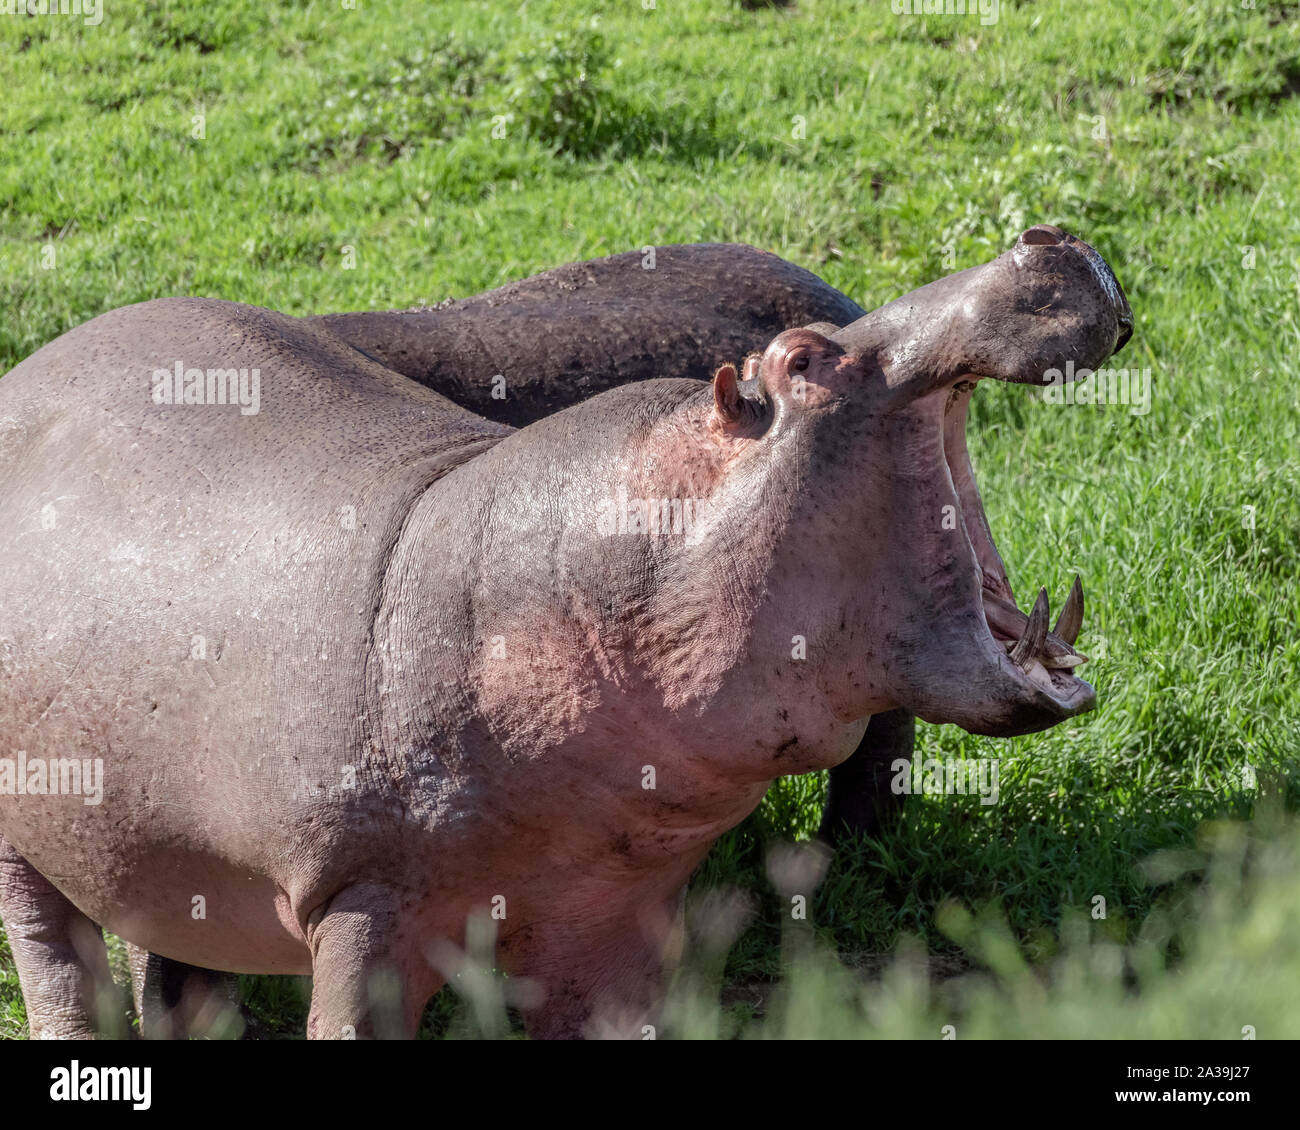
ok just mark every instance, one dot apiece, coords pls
pixel 174 1000
pixel 361 987
pixel 859 801
pixel 62 963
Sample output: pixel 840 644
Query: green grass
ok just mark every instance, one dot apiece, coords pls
pixel 1165 135
pixel 1233 931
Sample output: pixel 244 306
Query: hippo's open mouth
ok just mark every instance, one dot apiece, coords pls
pixel 1021 646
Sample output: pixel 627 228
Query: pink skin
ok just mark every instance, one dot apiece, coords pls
pixel 494 672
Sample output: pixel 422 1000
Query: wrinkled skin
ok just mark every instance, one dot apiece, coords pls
pixel 453 699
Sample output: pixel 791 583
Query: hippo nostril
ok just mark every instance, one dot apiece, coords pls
pixel 1042 235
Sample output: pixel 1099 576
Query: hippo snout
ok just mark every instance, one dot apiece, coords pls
pixel 1048 235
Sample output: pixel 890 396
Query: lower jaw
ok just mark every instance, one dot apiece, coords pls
pixel 1007 721
pixel 969 681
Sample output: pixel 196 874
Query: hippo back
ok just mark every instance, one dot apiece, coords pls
pixel 539 345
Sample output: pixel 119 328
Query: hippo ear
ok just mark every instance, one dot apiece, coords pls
pixel 726 394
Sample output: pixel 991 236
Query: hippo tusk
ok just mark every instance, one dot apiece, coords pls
pixel 1008 621
pixel 1056 661
pixel 1031 643
pixel 1071 618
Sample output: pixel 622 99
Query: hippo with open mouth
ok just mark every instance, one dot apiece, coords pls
pixel 341 694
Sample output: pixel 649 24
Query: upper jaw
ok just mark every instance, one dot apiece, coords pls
pixel 1049 300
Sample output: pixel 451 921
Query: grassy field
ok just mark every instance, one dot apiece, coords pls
pixel 239 150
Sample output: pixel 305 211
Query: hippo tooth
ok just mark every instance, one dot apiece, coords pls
pixel 1010 621
pixel 1071 618
pixel 1038 674
pixel 1031 643
pixel 1067 661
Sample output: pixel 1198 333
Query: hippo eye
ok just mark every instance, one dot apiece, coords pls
pixel 800 363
